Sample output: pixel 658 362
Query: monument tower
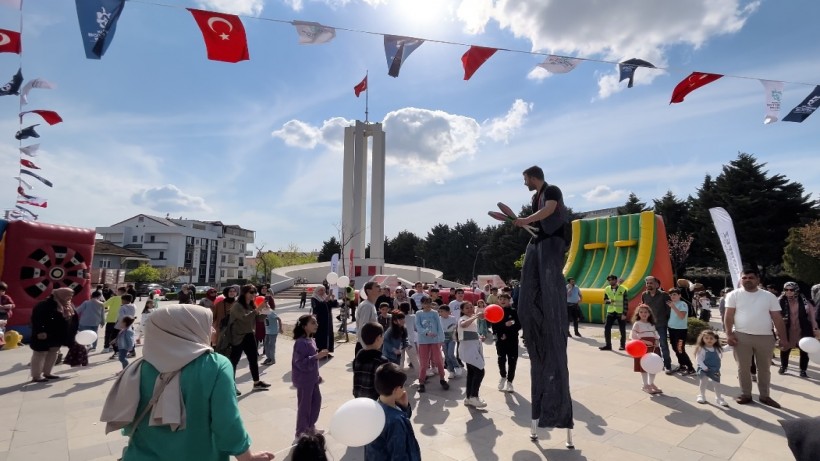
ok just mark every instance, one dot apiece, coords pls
pixel 354 200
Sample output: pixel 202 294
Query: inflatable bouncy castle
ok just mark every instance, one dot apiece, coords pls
pixel 36 258
pixel 631 247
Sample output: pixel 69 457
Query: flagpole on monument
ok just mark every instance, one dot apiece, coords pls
pixel 366 97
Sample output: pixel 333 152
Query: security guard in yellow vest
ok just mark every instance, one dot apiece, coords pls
pixel 616 310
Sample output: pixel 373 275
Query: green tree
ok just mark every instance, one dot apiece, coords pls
pixel 763 208
pixel 675 212
pixel 633 205
pixel 329 248
pixel 403 248
pixel 797 262
pixel 143 273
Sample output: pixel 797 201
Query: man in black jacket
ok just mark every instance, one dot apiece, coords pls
pixel 506 344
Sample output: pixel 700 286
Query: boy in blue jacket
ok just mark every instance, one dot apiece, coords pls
pixel 397 442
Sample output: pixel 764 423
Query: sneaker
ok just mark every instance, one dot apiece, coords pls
pixel 478 403
pixel 803 374
pixel 422 388
pixel 509 388
pixel 721 402
pixel 259 385
pixel 754 378
pixel 468 402
pixel 622 348
pixel 700 399
pixel 501 383
pixel 451 374
pixel 770 402
pixel 577 334
pixel 444 384
pixel 605 348
pixel 113 356
pixel 267 362
pixel 781 371
pixel 458 372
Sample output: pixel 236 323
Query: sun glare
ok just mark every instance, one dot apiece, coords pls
pixel 422 12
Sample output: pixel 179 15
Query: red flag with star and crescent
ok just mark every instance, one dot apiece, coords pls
pixel 362 86
pixel 224 35
pixel 691 83
pixel 29 164
pixel 10 41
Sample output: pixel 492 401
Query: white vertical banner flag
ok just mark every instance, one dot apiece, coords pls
pixel 313 33
pixel 774 93
pixel 334 267
pixel 726 233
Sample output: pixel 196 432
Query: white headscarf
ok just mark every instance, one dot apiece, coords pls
pixel 176 335
pixel 316 296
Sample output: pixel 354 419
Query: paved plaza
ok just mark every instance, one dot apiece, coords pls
pixel 614 419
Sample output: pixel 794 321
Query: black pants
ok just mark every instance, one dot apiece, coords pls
pixel 677 339
pixel 574 313
pixel 248 346
pixel 507 351
pixel 110 334
pixel 804 359
pixel 611 318
pixel 302 303
pixel 474 377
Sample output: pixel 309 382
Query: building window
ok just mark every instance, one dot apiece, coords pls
pixel 223 258
pixel 105 263
pixel 161 255
pixel 197 242
pixel 189 240
pixel 151 239
pixel 134 239
pixel 233 244
pixel 193 271
pixel 141 238
pixel 240 275
pixel 222 273
pixel 224 244
pixel 141 219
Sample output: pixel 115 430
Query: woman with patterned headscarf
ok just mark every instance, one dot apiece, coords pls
pixel 799 317
pixel 53 325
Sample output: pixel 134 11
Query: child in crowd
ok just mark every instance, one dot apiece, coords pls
pixel 678 329
pixel 305 375
pixel 146 313
pixel 412 337
pixel 112 311
pixel 449 325
pixel 125 339
pixel 127 309
pixel 643 329
pixel 708 354
pixel 431 337
pixel 273 325
pixel 395 338
pixel 92 316
pixel 483 325
pixel 384 315
pixel 397 440
pixel 309 447
pixel 367 360
pixel 506 344
pixel 471 350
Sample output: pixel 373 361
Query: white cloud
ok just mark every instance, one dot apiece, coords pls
pixel 603 194
pixel 297 133
pixel 612 30
pixel 297 5
pixel 249 7
pixel 500 128
pixel 169 198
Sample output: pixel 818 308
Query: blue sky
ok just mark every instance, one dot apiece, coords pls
pixel 154 127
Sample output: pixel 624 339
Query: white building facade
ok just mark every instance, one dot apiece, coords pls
pixel 205 252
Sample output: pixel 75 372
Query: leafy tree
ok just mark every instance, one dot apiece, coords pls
pixel 675 212
pixel 633 205
pixel 679 245
pixel 143 273
pixel 402 249
pixel 168 275
pixel 810 238
pixel 266 261
pixel 797 261
pixel 329 248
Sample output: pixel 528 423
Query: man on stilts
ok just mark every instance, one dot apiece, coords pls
pixel 542 305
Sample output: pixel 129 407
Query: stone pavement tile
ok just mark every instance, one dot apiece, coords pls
pixel 95 451
pixel 54 450
pixel 39 435
pixel 648 446
pixel 747 454
pixel 711 440
pixel 765 442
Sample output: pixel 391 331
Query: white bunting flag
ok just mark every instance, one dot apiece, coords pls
pixel 559 64
pixel 774 93
pixel 313 33
pixel 23 182
pixel 36 83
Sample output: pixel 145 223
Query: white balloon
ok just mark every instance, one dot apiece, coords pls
pixel 357 422
pixel 815 357
pixel 332 278
pixel 809 345
pixel 343 281
pixel 86 338
pixel 362 294
pixel 652 363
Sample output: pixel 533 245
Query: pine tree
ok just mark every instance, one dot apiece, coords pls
pixel 633 205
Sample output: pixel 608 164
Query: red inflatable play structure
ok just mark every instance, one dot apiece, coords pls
pixel 36 258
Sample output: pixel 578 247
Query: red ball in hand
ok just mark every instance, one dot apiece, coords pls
pixel 259 300
pixel 493 313
pixel 636 348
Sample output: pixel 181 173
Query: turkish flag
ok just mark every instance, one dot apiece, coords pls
pixel 28 164
pixel 51 117
pixel 474 58
pixel 10 41
pixel 691 83
pixel 224 35
pixel 362 86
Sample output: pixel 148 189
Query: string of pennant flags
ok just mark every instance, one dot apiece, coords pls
pixel 225 40
pixel 11 42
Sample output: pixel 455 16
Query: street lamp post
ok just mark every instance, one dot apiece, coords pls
pixel 418 269
pixel 477 252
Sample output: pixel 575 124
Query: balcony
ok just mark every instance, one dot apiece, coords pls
pixel 155 245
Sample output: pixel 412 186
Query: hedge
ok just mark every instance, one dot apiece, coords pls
pixel 694 327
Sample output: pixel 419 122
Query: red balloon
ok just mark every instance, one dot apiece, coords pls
pixel 157 292
pixel 493 313
pixel 219 298
pixel 636 348
pixel 259 300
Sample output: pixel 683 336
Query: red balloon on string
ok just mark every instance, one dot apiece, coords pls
pixel 259 300
pixel 157 292
pixel 636 348
pixel 493 313
pixel 219 298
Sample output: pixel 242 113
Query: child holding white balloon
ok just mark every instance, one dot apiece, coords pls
pixel 708 354
pixel 643 329
pixel 397 439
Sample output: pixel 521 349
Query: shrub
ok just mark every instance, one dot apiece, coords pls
pixel 172 296
pixel 694 327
